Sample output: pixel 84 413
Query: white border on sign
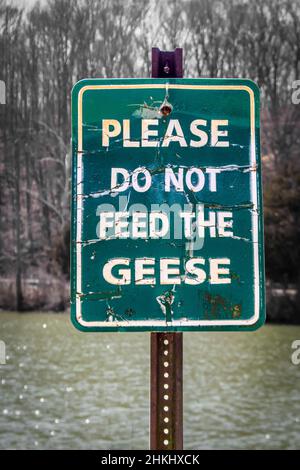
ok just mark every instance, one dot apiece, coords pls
pixel 254 218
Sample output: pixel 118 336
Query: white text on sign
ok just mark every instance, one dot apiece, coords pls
pixel 213 133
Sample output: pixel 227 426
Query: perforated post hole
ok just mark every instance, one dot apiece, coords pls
pixel 166 391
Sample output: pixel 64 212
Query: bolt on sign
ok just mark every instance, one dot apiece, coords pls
pixel 167 228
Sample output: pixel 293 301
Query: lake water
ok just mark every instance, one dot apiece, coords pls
pixel 64 389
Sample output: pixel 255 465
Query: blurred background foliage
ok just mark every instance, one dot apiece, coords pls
pixel 48 46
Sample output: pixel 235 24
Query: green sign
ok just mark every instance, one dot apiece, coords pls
pixel 167 223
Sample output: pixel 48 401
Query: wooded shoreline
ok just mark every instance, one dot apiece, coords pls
pixel 52 295
pixel 47 47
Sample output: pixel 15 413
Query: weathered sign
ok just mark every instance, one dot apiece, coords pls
pixel 167 230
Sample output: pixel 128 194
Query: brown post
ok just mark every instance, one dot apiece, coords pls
pixel 166 410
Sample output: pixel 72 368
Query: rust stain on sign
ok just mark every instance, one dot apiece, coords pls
pixel 216 305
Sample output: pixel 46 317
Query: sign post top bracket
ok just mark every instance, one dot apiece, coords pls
pixel 167 64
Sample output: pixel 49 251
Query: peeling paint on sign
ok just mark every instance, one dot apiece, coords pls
pixel 167 230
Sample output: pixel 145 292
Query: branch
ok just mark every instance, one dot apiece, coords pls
pixel 46 203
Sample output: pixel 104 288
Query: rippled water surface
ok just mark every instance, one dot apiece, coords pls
pixel 65 389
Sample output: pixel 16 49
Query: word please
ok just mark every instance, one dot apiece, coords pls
pixel 119 271
pixel 207 133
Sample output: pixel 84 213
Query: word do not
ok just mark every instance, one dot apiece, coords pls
pixel 141 179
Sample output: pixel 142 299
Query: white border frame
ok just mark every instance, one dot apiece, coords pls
pixel 254 199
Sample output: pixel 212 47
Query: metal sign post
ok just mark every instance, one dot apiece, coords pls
pixel 167 222
pixel 166 397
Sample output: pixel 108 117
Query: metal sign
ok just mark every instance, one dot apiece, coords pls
pixel 167 231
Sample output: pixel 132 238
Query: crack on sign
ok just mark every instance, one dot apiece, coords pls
pixel 151 111
pixel 110 314
pixel 157 171
pixel 215 205
pixel 91 241
pixel 222 168
pixel 113 191
pixel 244 239
pixel 238 145
pixel 101 295
pixel 113 317
pixel 145 111
pixel 165 302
